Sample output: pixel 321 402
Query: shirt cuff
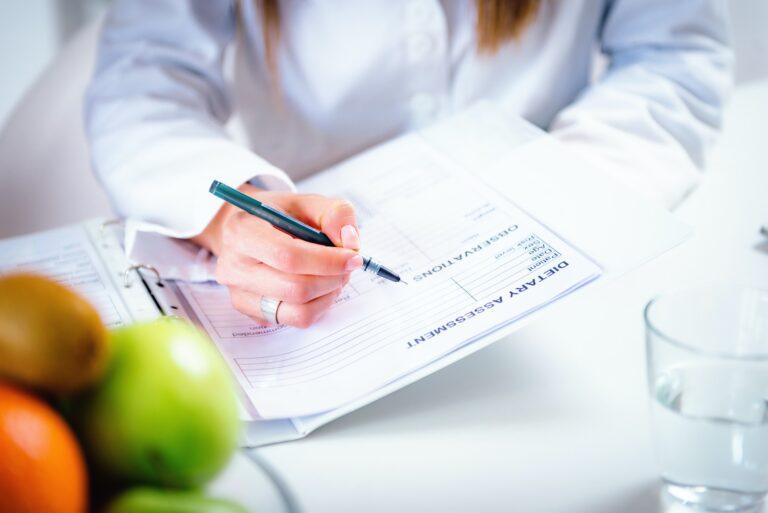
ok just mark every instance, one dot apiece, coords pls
pixel 659 170
pixel 165 247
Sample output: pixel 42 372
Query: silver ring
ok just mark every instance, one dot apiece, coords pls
pixel 269 308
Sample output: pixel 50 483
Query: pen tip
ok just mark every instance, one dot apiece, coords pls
pixel 404 282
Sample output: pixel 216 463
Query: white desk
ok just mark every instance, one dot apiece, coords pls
pixel 554 418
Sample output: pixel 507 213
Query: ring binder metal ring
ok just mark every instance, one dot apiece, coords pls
pixel 127 283
pixel 108 223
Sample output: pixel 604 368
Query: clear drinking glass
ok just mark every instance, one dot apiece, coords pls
pixel 708 378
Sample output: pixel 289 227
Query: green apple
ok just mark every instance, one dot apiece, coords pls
pixel 152 500
pixel 166 411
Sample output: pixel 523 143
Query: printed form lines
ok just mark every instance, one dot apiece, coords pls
pixel 384 339
pixel 379 341
pixel 412 304
pixel 371 334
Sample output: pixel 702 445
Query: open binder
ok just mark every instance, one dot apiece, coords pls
pixel 611 225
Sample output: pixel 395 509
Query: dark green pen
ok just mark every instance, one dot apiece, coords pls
pixel 288 224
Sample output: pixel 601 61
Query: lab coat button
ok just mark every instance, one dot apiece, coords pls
pixel 419 45
pixel 417 12
pixel 423 105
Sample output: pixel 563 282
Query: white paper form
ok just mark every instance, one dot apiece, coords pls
pixel 67 256
pixel 473 261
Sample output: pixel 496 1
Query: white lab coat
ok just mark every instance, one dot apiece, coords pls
pixel 171 74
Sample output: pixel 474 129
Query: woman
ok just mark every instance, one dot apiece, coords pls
pixel 313 82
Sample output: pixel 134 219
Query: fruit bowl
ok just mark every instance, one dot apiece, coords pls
pixel 252 482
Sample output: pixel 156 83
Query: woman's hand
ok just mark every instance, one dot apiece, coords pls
pixel 256 260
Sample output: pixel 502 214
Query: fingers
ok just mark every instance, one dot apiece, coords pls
pixel 297 315
pixel 257 239
pixel 331 216
pixel 255 277
pixel 257 260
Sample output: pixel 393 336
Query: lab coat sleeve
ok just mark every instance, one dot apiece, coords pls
pixel 649 119
pixel 155 114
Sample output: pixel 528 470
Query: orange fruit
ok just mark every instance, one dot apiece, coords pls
pixel 41 467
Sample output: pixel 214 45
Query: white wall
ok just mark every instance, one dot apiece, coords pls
pixel 31 34
pixel 750 38
pixel 29 40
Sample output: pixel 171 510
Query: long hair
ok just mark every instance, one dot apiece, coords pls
pixel 497 22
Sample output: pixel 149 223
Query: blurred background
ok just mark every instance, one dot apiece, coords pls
pixel 33 31
pixel 31 34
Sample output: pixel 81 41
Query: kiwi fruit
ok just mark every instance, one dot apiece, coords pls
pixel 51 338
